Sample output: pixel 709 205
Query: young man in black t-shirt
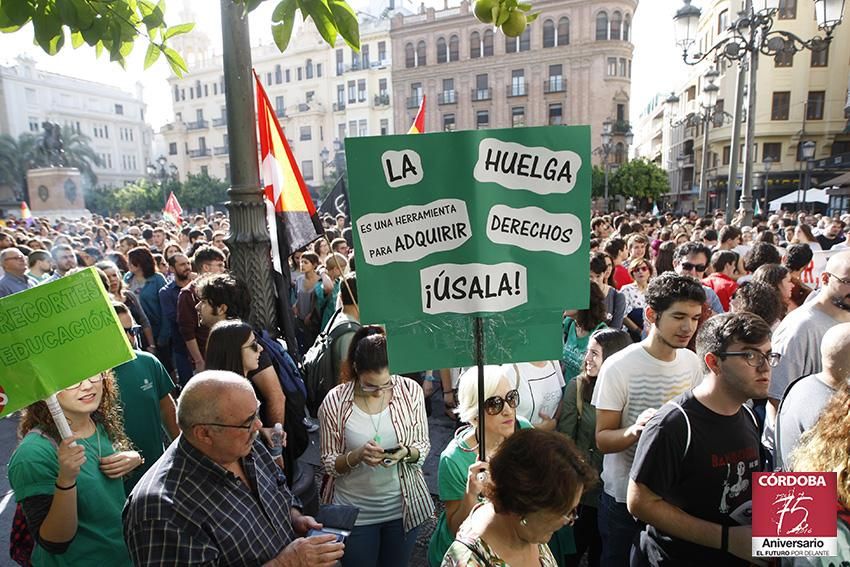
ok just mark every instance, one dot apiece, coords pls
pixel 691 480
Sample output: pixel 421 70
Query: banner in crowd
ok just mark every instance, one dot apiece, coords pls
pixel 489 223
pixel 55 335
pixel 336 201
pixel 811 276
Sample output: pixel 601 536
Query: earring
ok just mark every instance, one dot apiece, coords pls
pixel 523 522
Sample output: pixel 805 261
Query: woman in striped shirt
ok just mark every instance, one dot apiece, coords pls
pixel 374 441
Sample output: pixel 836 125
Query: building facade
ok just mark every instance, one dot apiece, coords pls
pixel 113 119
pixel 571 66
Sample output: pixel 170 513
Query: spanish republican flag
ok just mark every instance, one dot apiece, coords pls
pixel 418 125
pixel 284 185
pixel 173 211
pixel 26 215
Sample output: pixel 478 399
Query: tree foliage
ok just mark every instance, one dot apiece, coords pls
pixel 597 183
pixel 639 178
pixel 115 25
pixel 145 196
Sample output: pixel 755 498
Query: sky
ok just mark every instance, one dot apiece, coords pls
pixel 652 35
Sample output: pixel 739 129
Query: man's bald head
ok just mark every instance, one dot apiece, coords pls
pixel 838 263
pixel 201 399
pixel 835 352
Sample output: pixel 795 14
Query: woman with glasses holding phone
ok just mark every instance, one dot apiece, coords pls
pixel 635 293
pixel 71 491
pixel 374 441
pixel 461 474
pixel 533 490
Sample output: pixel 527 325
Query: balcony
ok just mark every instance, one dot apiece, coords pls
pixel 447 97
pixel 201 152
pixel 481 94
pixel 303 107
pixel 414 101
pixel 198 125
pixel 555 84
pixel 382 100
pixel 339 106
pixel 280 112
pixel 517 89
pixel 221 151
pixel 622 127
pixel 219 122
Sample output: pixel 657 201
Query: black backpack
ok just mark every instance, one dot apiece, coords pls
pixel 317 367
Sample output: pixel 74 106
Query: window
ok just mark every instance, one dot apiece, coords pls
pixel 555 82
pixel 525 40
pixel 385 127
pixel 518 82
pixel 448 94
pixel 279 107
pixel 176 93
pixel 215 88
pixel 627 27
pixel 820 57
pixel 623 67
pixel 785 56
pixel 787 9
pixel 278 75
pixel 308 69
pixel 363 128
pixel 487 43
pixel 420 54
pixel 780 104
pixel 409 56
pixel 318 70
pixel 474 45
pixel 339 64
pixel 482 119
pixel 298 73
pixel 352 92
pixel 307 170
pixel 772 150
pixel 442 50
pixel 612 66
pixel 814 105
pixel 205 170
pixel 449 123
pixel 556 114
pixel 548 33
pixel 361 90
pixel 355 60
pixel 454 48
pixel 341 131
pixel 727 153
pixel 511 44
pixel 601 26
pixel 482 92
pixel 306 133
pixel 119 109
pixel 382 87
pixel 172 149
pixel 722 21
pixel 564 31
pixel 340 96
pixel 616 25
pixel 382 51
pixel 517 116
pixel 33 124
pixel 198 89
pixel 364 55
pixel 621 113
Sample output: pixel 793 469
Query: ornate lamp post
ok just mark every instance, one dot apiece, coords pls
pixel 748 36
pixel 161 173
pixel 767 163
pixel 323 156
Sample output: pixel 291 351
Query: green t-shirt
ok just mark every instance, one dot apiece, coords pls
pixel 142 383
pixel 33 469
pixel 452 473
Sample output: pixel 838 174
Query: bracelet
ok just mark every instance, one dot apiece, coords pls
pixel 56 484
pixel 724 538
pixel 350 466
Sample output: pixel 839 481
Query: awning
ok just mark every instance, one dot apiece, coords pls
pixel 842 180
pixel 812 196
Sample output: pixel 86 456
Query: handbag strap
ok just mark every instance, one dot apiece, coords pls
pixel 476 553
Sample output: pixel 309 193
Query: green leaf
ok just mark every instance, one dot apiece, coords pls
pixel 178 66
pixel 282 26
pixel 177 30
pixel 510 4
pixel 249 6
pixel 524 6
pixel 152 55
pixel 19 11
pixel 98 49
pixel 85 13
pixel 47 29
pixel 322 18
pixel 346 23
pixel 531 17
pixel 67 13
pixel 146 8
pixel 77 39
pixel 503 17
pixel 6 24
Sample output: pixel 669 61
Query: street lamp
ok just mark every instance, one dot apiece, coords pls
pixel 748 36
pixel 323 156
pixel 807 153
pixel 161 173
pixel 767 163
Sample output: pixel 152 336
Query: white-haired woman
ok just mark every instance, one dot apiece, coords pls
pixel 459 484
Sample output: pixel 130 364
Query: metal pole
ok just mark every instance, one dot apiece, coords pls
pixel 248 240
pixel 766 186
pixel 478 330
pixel 732 184
pixel 703 181
pixel 749 157
pixel 809 166
pixel 607 204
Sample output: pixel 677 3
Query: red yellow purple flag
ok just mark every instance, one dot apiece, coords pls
pixel 284 185
pixel 26 215
pixel 418 126
pixel 173 210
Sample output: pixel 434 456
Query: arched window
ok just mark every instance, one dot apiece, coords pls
pixel 474 45
pixel 487 47
pixel 627 28
pixel 548 33
pixel 619 153
pixel 564 31
pixel 616 25
pixel 409 56
pixel 308 69
pixel 420 54
pixel 442 50
pixel 601 26
pixel 454 48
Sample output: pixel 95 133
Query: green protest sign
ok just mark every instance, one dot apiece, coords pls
pixel 54 335
pixel 489 223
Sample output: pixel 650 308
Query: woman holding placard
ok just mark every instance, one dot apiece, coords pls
pixel 71 491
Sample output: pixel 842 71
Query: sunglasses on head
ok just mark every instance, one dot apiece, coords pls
pixel 687 266
pixel 495 404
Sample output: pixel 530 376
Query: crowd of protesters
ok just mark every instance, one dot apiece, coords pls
pixel 707 352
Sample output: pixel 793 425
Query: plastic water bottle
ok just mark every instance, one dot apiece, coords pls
pixel 277 441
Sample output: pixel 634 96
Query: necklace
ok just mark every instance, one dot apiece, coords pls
pixel 377 426
pixel 97 434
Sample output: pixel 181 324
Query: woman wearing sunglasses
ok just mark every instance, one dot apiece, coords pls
pixel 534 486
pixel 635 293
pixel 460 481
pixel 72 494
pixel 374 441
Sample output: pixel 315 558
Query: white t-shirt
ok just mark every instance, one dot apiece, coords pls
pixel 540 389
pixel 631 381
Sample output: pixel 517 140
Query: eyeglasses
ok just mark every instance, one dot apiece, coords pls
pixel 368 389
pixel 92 380
pixel 687 266
pixel 845 281
pixel 640 269
pixel 495 405
pixel 255 346
pixel 247 424
pixel 134 330
pixel 755 358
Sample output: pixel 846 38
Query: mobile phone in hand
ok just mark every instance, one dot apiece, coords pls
pixel 393 450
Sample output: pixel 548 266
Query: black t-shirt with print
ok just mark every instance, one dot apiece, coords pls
pixel 711 481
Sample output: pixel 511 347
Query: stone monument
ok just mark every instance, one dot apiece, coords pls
pixel 55 189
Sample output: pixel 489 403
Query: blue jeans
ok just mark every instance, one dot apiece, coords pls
pixel 184 367
pixel 379 545
pixel 618 530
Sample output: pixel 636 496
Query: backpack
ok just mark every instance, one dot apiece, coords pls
pixel 317 366
pixel 297 438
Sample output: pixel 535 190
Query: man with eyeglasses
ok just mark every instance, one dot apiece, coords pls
pixel 691 480
pixel 216 497
pixel 15 279
pixel 206 260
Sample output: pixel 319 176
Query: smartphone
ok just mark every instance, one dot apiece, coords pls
pixel 340 534
pixel 393 450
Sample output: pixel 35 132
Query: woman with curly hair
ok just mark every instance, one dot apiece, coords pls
pixel 71 491
pixel 777 276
